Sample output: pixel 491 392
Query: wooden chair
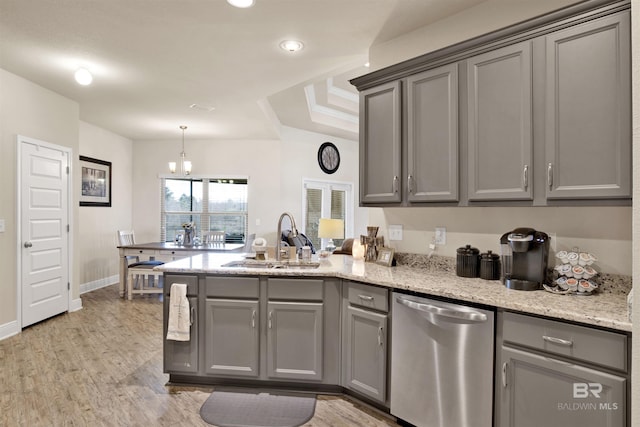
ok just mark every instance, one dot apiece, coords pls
pixel 139 272
pixel 213 237
pixel 142 275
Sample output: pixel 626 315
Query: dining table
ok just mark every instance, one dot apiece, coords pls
pixel 166 252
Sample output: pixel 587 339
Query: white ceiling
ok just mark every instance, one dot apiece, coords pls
pixel 152 59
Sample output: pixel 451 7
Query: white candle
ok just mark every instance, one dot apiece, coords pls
pixel 357 250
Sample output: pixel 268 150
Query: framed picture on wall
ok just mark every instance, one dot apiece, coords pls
pixel 96 182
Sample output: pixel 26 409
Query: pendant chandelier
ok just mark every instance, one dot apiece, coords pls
pixel 185 165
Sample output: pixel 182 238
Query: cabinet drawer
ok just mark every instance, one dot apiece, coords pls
pixel 578 342
pixel 232 287
pixel 368 296
pixel 295 289
pixel 150 252
pixel 190 281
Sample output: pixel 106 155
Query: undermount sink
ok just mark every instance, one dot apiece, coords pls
pixel 272 264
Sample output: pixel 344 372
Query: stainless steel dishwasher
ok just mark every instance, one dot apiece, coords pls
pixel 441 363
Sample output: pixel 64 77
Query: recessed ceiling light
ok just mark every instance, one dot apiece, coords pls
pixel 83 77
pixel 207 108
pixel 241 3
pixel 291 45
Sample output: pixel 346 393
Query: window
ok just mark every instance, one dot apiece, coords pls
pixel 322 199
pixel 211 204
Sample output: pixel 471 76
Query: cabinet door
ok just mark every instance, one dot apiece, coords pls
pixel 380 144
pixel 231 337
pixel 588 104
pixel 433 135
pixel 499 124
pixel 182 356
pixel 294 340
pixel 365 353
pixel 534 391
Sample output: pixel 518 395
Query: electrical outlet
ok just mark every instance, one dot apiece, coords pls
pixel 1 225
pixel 395 232
pixel 553 241
pixel 441 236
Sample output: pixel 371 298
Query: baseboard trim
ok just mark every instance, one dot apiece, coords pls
pixel 9 329
pixel 97 284
pixel 76 304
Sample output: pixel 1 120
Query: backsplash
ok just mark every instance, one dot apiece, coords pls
pixel 607 283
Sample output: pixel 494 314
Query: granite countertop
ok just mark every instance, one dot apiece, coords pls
pixel 605 309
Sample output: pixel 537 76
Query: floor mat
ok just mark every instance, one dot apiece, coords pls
pixel 257 408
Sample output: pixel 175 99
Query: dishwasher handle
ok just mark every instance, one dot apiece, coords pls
pixel 473 316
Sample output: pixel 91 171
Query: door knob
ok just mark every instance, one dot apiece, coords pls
pixel 28 244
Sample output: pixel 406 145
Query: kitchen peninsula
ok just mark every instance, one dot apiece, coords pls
pixel 329 326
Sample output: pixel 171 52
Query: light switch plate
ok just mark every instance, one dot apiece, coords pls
pixel 395 232
pixel 1 225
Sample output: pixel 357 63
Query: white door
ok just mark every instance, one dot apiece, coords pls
pixel 44 179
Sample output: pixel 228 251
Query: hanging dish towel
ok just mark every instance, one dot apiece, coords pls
pixel 179 324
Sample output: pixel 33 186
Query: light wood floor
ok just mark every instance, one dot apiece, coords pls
pixel 102 366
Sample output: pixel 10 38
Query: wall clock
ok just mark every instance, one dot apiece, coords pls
pixel 328 157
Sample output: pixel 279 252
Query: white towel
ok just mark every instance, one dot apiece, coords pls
pixel 179 324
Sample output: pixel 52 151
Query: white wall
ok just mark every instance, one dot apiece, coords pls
pixel 30 110
pixel 275 169
pixel 96 253
pixel 487 16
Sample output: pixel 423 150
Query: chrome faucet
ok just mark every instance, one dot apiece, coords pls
pixel 294 233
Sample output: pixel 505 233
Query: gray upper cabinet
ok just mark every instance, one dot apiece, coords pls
pixel 432 136
pixel 538 113
pixel 380 149
pixel 500 145
pixel 588 114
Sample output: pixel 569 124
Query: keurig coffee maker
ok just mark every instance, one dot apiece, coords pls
pixel 524 258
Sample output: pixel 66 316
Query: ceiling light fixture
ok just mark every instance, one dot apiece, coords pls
pixel 83 77
pixel 291 45
pixel 185 165
pixel 241 3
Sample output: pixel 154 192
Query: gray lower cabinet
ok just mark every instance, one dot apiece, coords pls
pixel 232 337
pixel 432 136
pixel 181 356
pixel 551 373
pixel 380 149
pixel 588 114
pixel 364 340
pixel 500 138
pixel 366 351
pixel 295 340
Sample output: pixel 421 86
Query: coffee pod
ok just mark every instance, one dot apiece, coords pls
pixel 562 256
pixel 578 271
pixel 589 272
pixel 584 259
pixel 573 258
pixel 572 284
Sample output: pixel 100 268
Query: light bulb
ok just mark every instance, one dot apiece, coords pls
pixel 241 3
pixel 172 167
pixel 187 167
pixel 83 77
